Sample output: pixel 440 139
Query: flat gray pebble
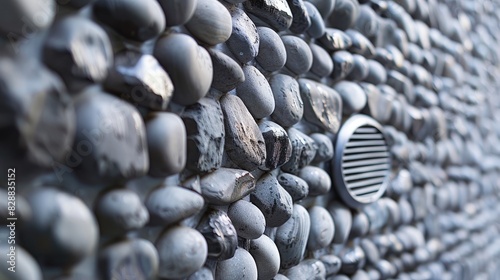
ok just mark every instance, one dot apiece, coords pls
pixel 353 97
pixel 299 57
pixel 322 228
pixel 266 256
pixel 289 107
pixel 272 52
pixel 256 93
pixel 210 23
pixel 294 185
pixel 241 266
pixel 244 41
pixel 119 211
pixel 188 65
pixel 303 151
pixel 291 237
pixel 325 147
pixel 62 231
pixel 226 185
pixel 171 204
pixel 274 202
pixel 166 137
pixel 182 251
pixel 317 179
pixel 310 269
pixel 342 219
pixel 136 258
pixel 247 219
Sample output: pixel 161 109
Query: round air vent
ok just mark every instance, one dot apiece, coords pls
pixel 362 161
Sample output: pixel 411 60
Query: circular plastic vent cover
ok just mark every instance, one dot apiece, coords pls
pixel 362 161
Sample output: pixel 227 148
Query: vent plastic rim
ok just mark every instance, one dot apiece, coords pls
pixel 343 137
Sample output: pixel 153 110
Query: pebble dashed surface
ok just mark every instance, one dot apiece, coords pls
pixel 194 139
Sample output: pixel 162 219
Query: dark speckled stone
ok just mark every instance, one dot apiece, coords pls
pixel 275 13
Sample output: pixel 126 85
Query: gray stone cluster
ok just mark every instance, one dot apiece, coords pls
pixel 194 139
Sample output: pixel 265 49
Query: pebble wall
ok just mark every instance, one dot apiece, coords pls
pixel 196 139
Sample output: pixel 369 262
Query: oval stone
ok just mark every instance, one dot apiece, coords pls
pixel 274 202
pixel 241 266
pixel 335 40
pixel 332 264
pixel 272 52
pixel 288 103
pixel 112 136
pixel 138 21
pixel 376 73
pixel 226 185
pixel 344 14
pixel 220 234
pixel 317 179
pixel 325 147
pixel 204 124
pixel 245 144
pixel 211 22
pixel 295 186
pixel 182 251
pixel 62 230
pixel 300 17
pixel 307 270
pixel 275 13
pixel 298 54
pixel 256 93
pixel 244 40
pixel 360 68
pixel 227 73
pixel 266 256
pixel 323 105
pixel 278 145
pixel 79 51
pixel 26 268
pixel 188 65
pixel 137 257
pixel 325 7
pixel 291 238
pixel 119 211
pixel 166 137
pixel 177 12
pixel 360 44
pixel 322 228
pixel 322 64
pixel 303 151
pixel 342 218
pixel 140 79
pixel 247 219
pixel 343 63
pixel 353 97
pixel 317 28
pixel 171 204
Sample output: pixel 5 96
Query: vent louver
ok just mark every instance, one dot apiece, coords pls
pixel 361 164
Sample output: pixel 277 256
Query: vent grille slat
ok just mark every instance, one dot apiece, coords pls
pixel 366 143
pixel 367 136
pixel 364 183
pixel 365 175
pixel 363 161
pixel 365 155
pixel 367 168
pixel 366 190
pixel 367 130
pixel 366 150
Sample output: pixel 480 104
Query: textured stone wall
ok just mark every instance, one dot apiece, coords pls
pixel 199 139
